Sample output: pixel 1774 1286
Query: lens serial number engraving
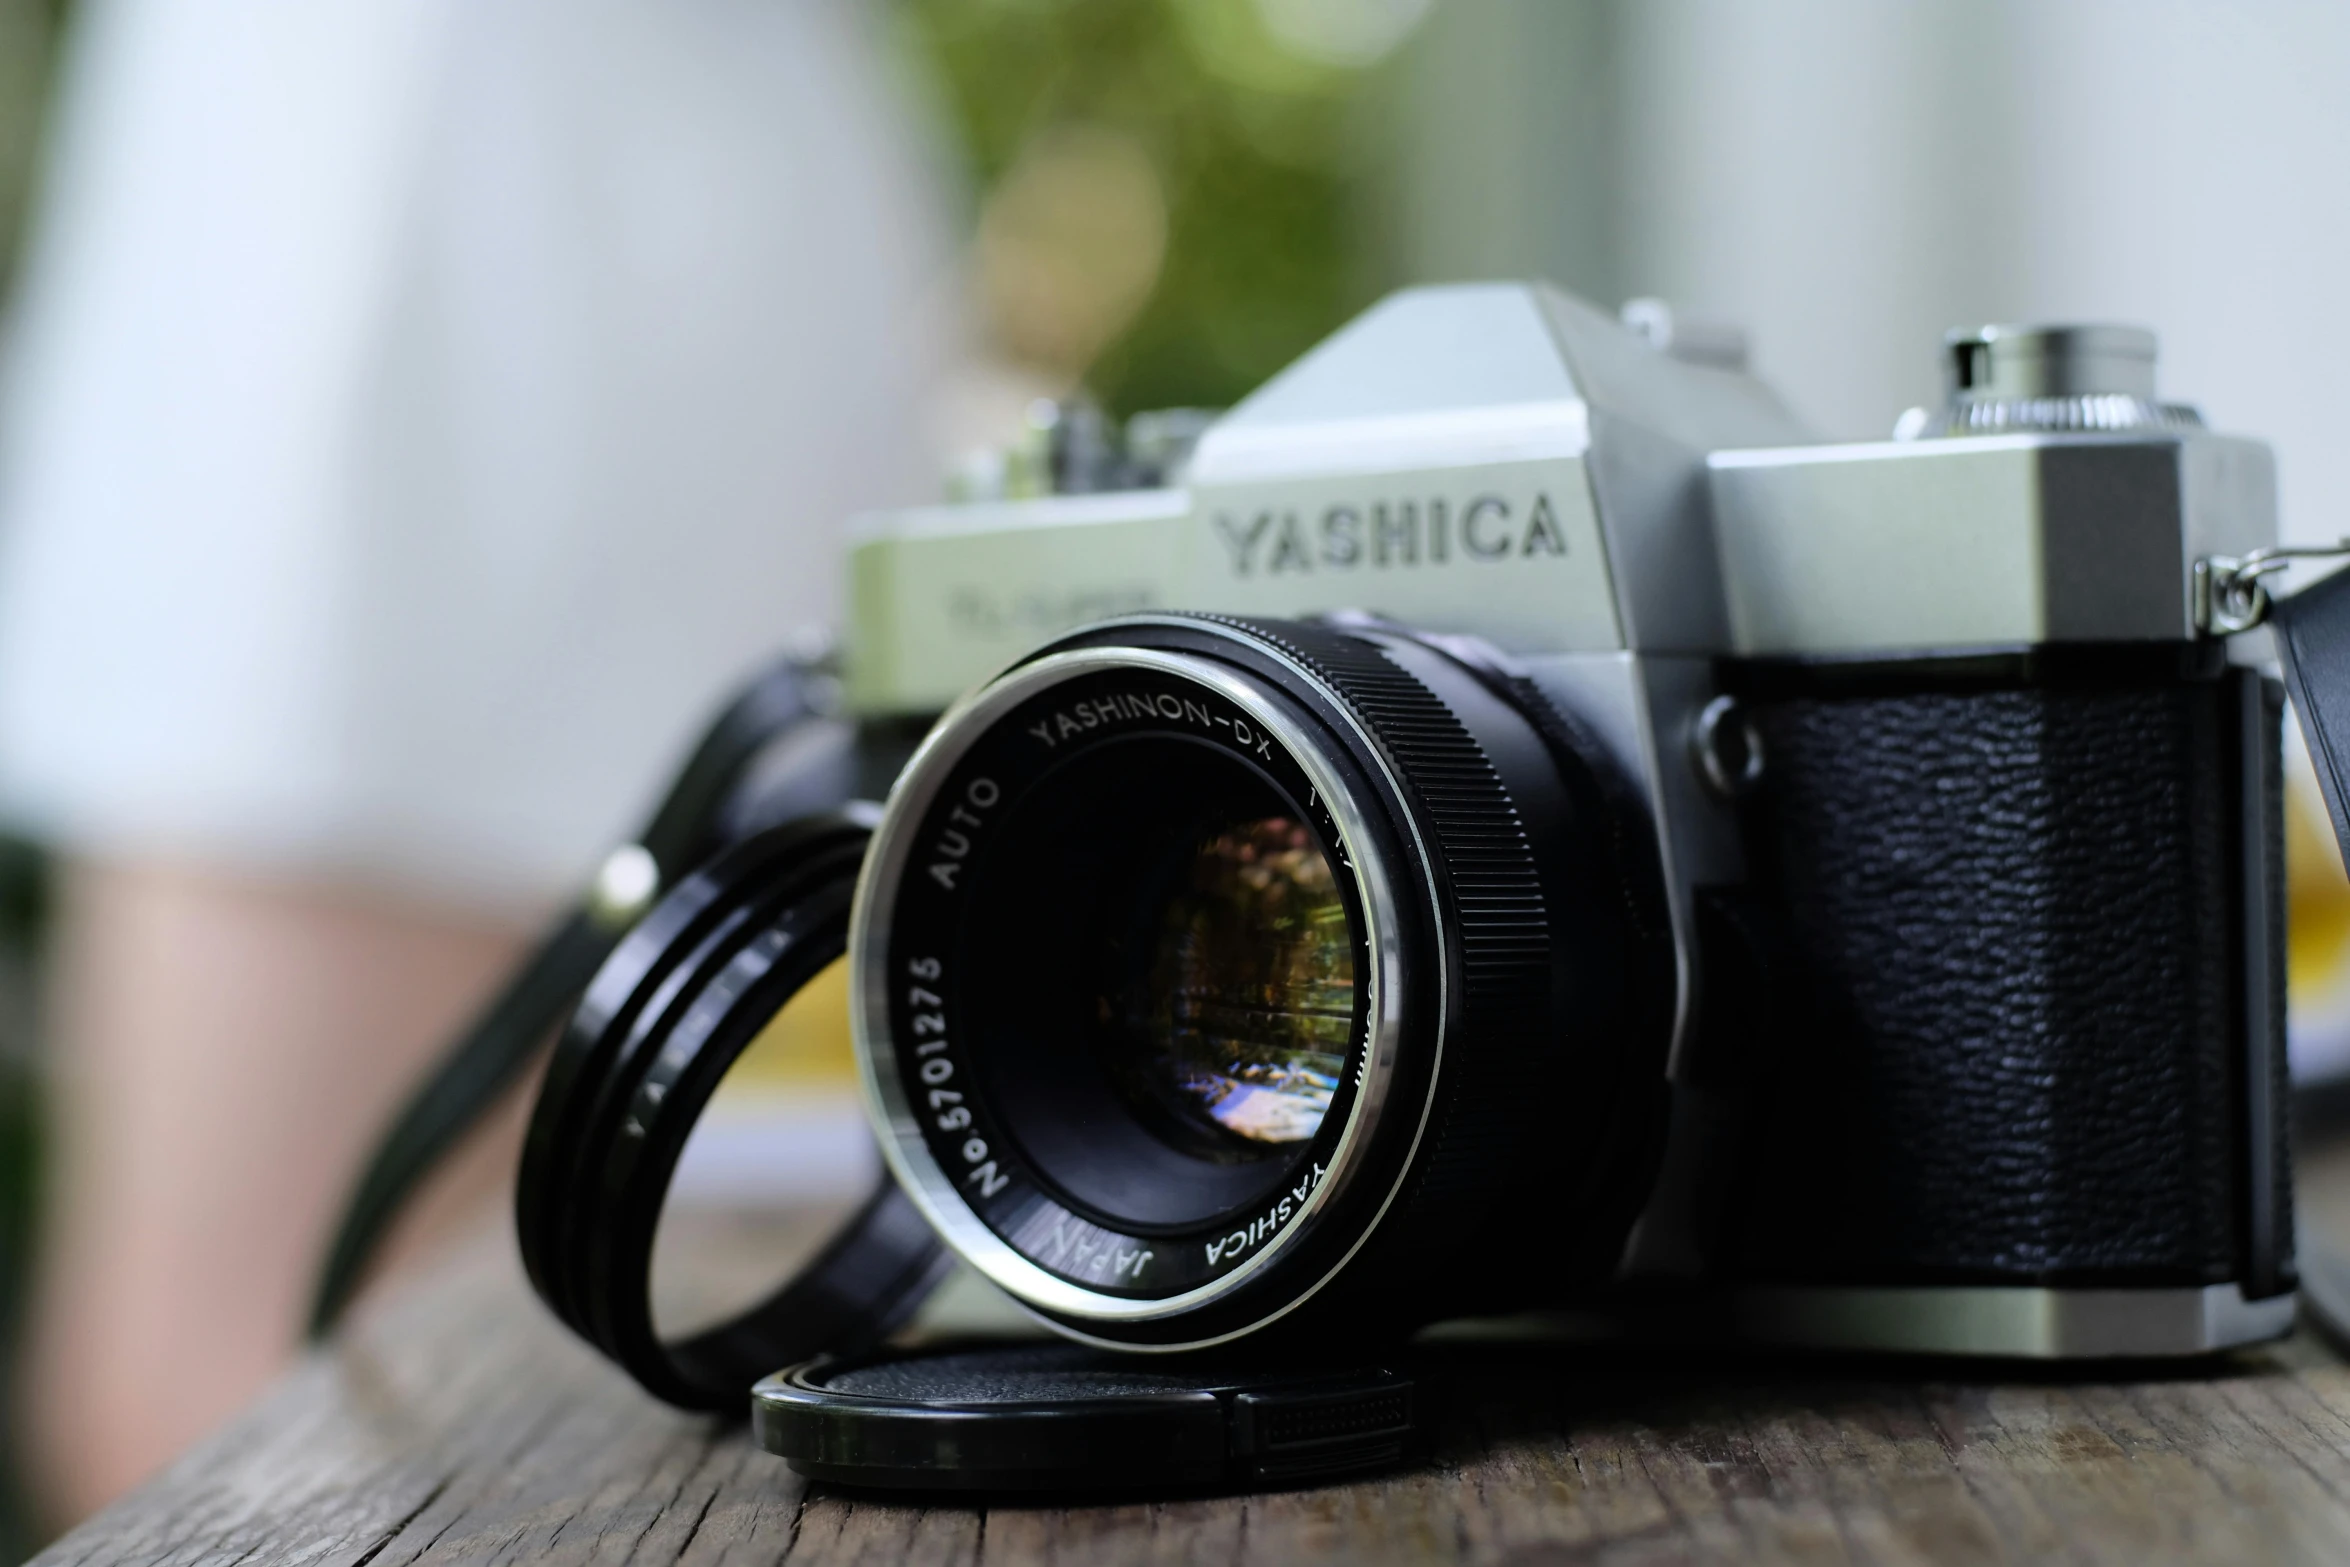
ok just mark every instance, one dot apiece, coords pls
pixel 927 1024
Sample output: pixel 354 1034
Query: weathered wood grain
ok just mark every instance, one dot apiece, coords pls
pixel 457 1424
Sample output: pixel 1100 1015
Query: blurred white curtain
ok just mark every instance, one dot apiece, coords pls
pixel 419 412
pixel 1849 178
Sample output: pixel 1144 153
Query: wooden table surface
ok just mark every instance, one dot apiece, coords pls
pixel 457 1423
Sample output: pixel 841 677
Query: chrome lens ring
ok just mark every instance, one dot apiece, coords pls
pixel 1100 1277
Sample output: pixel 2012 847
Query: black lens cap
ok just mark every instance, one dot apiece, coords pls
pixel 1066 1417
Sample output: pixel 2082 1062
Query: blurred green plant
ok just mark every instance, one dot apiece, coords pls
pixel 1167 187
pixel 29 35
pixel 29 32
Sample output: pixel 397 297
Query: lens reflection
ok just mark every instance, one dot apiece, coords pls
pixel 1248 1001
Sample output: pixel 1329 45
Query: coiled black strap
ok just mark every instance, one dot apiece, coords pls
pixel 499 1045
pixel 664 1018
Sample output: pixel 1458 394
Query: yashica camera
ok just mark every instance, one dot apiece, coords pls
pixel 1500 821
pixel 1519 823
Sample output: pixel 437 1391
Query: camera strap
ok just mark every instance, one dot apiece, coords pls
pixel 502 1041
pixel 2312 631
pixel 2311 634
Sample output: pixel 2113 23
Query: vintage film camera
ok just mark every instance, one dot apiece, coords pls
pixel 1501 820
pixel 1843 875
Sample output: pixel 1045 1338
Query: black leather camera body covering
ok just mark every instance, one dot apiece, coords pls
pixel 2033 939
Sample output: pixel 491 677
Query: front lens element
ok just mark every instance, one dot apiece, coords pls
pixel 1241 1023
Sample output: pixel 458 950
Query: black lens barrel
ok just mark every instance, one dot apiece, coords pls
pixel 1525 980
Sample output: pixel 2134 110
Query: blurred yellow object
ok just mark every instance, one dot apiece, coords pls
pixel 806 1044
pixel 1070 245
pixel 2317 920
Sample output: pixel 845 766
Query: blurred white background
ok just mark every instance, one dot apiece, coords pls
pixel 416 411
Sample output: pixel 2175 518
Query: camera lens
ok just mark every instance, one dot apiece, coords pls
pixel 1205 969
pixel 1149 980
pixel 1239 1022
